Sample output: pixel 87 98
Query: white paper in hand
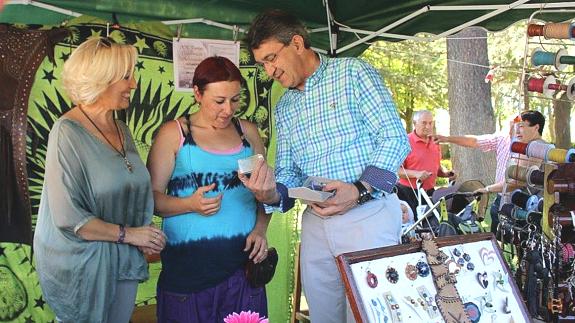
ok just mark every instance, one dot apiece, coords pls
pixel 311 191
pixel 246 166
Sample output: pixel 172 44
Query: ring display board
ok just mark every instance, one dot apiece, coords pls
pixel 395 284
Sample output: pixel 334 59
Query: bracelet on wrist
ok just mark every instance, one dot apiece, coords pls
pixel 277 194
pixel 122 234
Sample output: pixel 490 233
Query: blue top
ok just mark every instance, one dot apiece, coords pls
pixel 86 179
pixel 203 251
pixel 344 125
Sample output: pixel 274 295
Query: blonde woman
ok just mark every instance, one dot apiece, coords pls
pixel 96 205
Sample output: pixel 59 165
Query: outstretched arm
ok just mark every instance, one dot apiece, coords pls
pixel 493 188
pixel 465 141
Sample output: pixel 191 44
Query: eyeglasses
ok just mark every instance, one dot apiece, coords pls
pixel 105 42
pixel 271 58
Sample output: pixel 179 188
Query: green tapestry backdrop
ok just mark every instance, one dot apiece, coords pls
pixel 154 102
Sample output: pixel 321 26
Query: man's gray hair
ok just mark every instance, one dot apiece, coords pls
pixel 418 114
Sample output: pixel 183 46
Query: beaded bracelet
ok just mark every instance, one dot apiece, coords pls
pixel 122 234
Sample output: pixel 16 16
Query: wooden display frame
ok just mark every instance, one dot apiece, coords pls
pixel 355 294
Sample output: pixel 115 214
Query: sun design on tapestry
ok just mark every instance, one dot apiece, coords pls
pixel 160 48
pixel 14 298
pixel 118 36
pixel 73 37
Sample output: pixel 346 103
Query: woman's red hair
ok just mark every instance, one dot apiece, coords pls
pixel 215 69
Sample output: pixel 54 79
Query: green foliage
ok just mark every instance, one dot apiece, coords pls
pixel 446 163
pixel 506 52
pixel 414 72
pixel 442 181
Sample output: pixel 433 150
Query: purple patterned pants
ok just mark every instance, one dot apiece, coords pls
pixel 212 304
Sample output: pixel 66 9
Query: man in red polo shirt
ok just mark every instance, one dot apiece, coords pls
pixel 422 163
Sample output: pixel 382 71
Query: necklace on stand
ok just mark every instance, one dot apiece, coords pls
pixel 121 152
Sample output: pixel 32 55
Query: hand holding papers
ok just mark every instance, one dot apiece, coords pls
pixel 312 190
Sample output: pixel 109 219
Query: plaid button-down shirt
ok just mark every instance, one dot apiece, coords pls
pixel 500 143
pixel 344 126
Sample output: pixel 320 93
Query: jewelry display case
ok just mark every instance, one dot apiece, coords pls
pixel 448 279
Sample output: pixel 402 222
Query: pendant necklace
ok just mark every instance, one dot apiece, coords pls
pixel 121 152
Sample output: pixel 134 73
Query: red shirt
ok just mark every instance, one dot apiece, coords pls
pixel 424 155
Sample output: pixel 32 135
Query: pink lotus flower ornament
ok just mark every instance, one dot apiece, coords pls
pixel 245 317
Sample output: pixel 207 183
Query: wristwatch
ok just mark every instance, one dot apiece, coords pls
pixel 364 194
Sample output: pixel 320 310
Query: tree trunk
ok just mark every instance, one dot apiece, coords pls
pixel 409 118
pixel 470 108
pixel 562 111
pixel 409 109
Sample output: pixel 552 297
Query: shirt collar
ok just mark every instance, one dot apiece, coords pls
pixel 317 75
pixel 417 138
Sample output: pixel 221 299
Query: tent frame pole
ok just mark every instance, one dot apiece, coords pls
pixel 478 19
pixel 497 9
pixel 205 22
pixel 330 32
pixel 44 6
pixel 386 28
pixel 219 25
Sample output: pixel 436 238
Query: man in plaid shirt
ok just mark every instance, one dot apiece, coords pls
pixel 498 142
pixel 337 120
pixel 530 126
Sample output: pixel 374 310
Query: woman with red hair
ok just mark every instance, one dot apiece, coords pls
pixel 213 223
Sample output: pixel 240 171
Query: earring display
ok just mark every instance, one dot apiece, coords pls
pixel 411 272
pixel 456 252
pixel 483 280
pixel 413 305
pixel 487 256
pixel 379 311
pixel 393 307
pixel 506 309
pixel 472 312
pixel 392 275
pixel 422 268
pixel 416 291
pixel 428 302
pixel 371 279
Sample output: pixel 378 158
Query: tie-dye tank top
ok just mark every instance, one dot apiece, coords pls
pixel 203 251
